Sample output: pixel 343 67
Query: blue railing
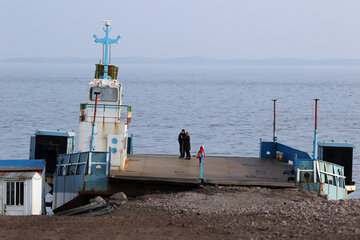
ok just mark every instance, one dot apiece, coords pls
pixel 323 177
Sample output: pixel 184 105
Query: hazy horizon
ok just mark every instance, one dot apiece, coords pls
pixel 232 29
pixel 193 60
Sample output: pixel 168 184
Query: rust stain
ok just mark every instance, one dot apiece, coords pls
pixel 321 190
pixel 103 129
pixel 18 174
pixel 104 115
pixel 116 128
pixel 64 189
pixel 84 186
pixel 337 189
pixel 55 193
pixel 307 175
pixel 126 164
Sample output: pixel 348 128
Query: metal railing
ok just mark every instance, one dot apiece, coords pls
pixel 123 111
pixel 323 176
pixel 329 173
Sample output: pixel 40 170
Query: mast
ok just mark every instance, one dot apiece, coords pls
pixel 274 123
pixel 106 41
pixel 315 130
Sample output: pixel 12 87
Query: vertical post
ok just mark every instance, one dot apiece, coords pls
pixel 93 125
pixel 315 163
pixel 106 50
pixel 89 165
pixel 73 144
pixel 108 162
pixel 274 128
pixel 315 131
pixel 274 123
pixel 202 167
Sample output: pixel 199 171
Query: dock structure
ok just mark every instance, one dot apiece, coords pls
pixel 242 171
pixel 78 179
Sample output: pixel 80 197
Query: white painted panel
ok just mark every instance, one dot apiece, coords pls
pixel 37 195
pixel 116 143
pixel 28 196
pixel 102 130
pixel 84 136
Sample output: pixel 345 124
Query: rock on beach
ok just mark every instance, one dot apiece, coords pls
pixel 208 212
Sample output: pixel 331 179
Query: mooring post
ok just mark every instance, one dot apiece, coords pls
pixel 202 167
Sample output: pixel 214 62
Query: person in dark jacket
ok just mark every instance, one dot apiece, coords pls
pixel 187 146
pixel 181 139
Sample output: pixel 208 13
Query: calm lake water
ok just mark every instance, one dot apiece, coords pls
pixel 226 108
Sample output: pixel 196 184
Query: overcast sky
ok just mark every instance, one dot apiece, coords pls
pixel 167 28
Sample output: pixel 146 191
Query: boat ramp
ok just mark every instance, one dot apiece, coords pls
pixel 169 169
pixel 80 176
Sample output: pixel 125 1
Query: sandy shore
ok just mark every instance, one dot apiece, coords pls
pixel 206 213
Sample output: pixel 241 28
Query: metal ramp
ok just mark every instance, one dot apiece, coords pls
pixel 217 170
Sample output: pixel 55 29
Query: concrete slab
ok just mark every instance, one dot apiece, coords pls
pixel 217 170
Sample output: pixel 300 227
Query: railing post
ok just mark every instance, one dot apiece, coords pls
pixel 202 167
pixel 297 171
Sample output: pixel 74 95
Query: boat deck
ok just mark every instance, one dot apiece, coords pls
pixel 217 170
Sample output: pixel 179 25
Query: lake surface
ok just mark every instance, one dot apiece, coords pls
pixel 226 108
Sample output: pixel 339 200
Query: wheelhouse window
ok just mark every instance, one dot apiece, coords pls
pixel 106 94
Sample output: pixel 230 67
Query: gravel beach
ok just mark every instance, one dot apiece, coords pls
pixel 204 213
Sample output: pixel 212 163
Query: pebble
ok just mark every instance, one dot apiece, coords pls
pixel 278 207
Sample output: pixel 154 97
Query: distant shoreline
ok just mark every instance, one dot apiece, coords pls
pixel 193 61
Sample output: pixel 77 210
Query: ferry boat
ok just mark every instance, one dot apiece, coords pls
pixel 102 166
